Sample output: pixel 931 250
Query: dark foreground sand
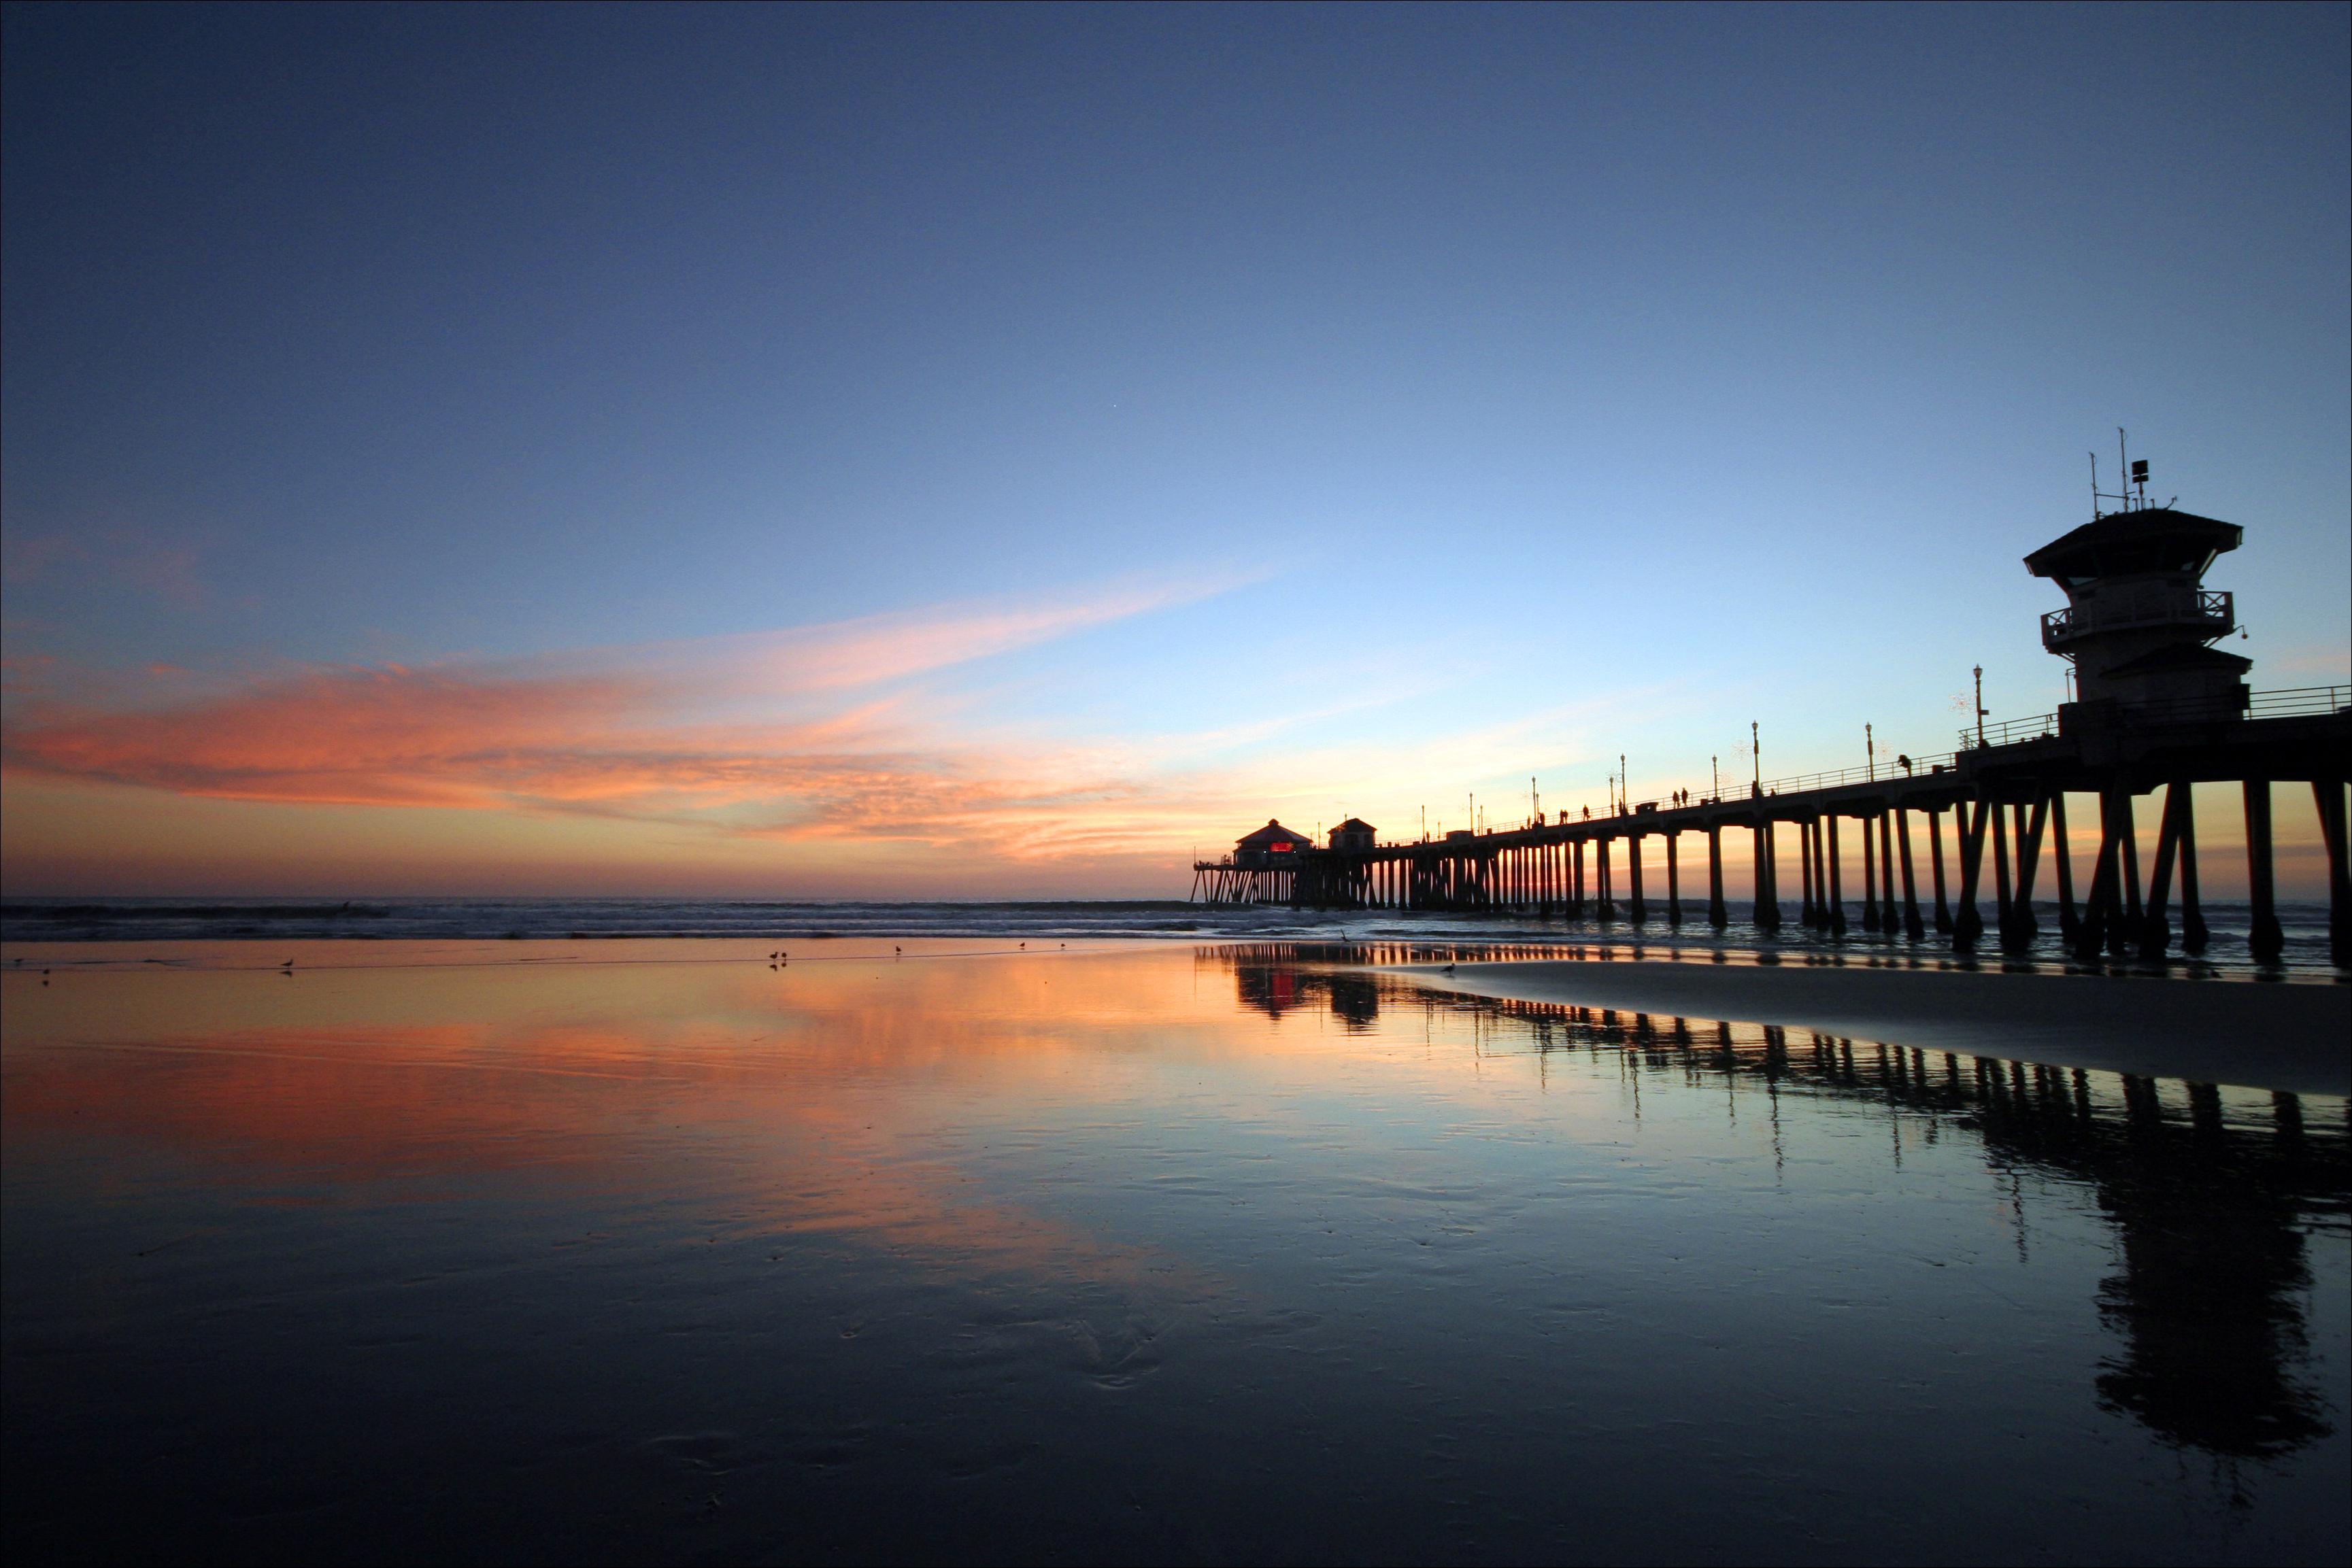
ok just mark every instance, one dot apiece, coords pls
pixel 2292 1036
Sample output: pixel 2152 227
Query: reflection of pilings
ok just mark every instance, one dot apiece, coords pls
pixel 2209 1209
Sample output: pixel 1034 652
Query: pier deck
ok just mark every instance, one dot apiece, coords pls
pixel 2007 796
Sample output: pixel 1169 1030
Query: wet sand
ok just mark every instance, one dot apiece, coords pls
pixel 2290 1036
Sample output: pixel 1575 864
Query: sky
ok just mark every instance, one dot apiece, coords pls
pixel 1002 452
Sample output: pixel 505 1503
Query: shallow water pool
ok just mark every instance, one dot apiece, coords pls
pixel 632 1252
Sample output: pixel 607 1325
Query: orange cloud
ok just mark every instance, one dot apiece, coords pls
pixel 621 732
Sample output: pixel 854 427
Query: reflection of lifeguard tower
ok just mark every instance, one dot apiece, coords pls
pixel 1272 847
pixel 2138 619
pixel 1355 833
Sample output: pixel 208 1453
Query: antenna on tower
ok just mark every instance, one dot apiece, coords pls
pixel 2130 493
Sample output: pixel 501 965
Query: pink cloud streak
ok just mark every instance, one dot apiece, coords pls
pixel 613 732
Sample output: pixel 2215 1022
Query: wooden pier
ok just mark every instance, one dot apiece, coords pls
pixel 1930 840
pixel 1933 842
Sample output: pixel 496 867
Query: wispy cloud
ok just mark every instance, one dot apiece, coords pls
pixel 839 734
pixel 167 568
pixel 851 747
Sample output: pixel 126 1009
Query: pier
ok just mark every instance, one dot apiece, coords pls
pixel 1926 844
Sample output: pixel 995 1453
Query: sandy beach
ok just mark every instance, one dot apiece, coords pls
pixel 2295 1035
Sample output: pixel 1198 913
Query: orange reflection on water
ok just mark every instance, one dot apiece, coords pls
pixel 837 1093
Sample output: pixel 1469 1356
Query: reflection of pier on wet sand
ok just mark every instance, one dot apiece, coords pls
pixel 2287 1036
pixel 2209 1190
pixel 2270 1034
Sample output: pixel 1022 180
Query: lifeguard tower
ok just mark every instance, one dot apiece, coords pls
pixel 2139 622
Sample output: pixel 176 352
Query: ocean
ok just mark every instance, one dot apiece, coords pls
pixel 482 919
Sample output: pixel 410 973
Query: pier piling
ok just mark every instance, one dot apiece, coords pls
pixel 2004 907
pixel 2328 794
pixel 1912 927
pixel 1967 924
pixel 1886 869
pixel 2062 853
pixel 1716 915
pixel 2155 931
pixel 1936 854
pixel 1869 876
pixel 1638 909
pixel 2194 934
pixel 1837 889
pixel 2265 938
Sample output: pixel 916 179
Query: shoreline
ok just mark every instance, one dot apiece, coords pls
pixel 2285 1037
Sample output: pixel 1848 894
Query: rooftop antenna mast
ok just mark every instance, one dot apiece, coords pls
pixel 2130 493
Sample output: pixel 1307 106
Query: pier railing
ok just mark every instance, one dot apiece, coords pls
pixel 2288 702
pixel 2293 702
pixel 2040 727
pixel 1839 778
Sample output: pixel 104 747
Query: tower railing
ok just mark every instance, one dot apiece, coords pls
pixel 2210 611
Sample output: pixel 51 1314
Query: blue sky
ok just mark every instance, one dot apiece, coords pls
pixel 1351 408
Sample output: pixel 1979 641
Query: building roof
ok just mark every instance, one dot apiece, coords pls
pixel 1273 833
pixel 2180 656
pixel 2155 538
pixel 1355 825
